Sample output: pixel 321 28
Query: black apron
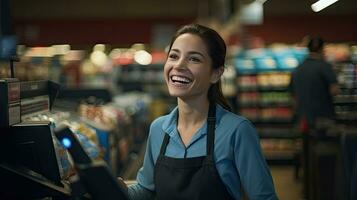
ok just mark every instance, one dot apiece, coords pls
pixel 190 178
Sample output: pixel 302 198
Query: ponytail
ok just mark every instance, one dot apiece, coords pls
pixel 215 95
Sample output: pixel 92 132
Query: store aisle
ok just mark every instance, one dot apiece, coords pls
pixel 286 186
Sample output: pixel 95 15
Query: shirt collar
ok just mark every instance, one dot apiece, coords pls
pixel 169 126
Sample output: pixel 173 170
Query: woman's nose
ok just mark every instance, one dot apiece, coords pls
pixel 180 64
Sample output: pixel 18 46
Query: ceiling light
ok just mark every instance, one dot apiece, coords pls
pixel 261 1
pixel 321 4
pixel 99 58
pixel 143 57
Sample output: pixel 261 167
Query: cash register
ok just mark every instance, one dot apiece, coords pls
pixel 30 166
pixel 29 161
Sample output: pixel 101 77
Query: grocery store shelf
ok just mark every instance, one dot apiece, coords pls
pixel 150 66
pixel 272 121
pixel 248 89
pixel 281 157
pixel 263 88
pixel 141 82
pixel 264 98
pixel 287 134
pixel 279 154
pixel 344 101
pixel 273 88
pixel 281 161
pixel 264 105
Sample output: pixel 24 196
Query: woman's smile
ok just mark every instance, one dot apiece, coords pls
pixel 180 81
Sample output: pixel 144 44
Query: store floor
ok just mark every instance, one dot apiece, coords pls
pixel 286 186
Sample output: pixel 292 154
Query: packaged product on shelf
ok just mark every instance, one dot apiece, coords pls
pixel 263 80
pixel 265 64
pixel 285 58
pixel 89 140
pixel 279 79
pixel 287 63
pixel 300 53
pixel 247 82
pixel 276 114
pixel 248 98
pixel 250 113
pixel 244 65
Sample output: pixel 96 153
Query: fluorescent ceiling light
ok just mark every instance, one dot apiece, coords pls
pixel 321 4
pixel 261 1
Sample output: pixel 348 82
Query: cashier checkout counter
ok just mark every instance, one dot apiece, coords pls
pixel 30 165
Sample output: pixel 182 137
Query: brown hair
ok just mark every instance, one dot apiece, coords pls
pixel 217 52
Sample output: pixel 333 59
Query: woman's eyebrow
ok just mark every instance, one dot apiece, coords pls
pixel 176 50
pixel 196 52
pixel 190 52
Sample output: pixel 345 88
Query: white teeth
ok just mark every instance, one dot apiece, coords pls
pixel 180 79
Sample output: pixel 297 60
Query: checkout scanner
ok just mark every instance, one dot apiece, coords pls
pixel 94 176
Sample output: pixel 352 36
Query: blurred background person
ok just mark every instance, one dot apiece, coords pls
pixel 313 85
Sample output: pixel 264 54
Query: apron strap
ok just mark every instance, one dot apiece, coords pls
pixel 211 123
pixel 164 144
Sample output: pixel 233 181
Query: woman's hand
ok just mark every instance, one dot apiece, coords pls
pixel 122 183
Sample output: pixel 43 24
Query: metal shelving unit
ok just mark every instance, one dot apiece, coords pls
pixel 269 106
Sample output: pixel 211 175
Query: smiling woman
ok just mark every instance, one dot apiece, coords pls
pixel 188 70
pixel 201 150
pixel 208 50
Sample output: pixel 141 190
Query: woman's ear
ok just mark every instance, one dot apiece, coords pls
pixel 216 75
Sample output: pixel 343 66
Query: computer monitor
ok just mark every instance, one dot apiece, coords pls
pixel 31 145
pixel 29 165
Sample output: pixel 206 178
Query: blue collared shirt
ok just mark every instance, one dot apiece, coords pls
pixel 237 153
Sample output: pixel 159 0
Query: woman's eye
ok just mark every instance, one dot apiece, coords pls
pixel 195 59
pixel 173 56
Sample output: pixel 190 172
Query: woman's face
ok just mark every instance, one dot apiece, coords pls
pixel 188 71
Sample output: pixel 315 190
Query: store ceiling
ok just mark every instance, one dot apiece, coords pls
pixel 95 9
pixel 277 7
pixel 87 21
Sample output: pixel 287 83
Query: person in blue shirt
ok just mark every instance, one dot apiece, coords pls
pixel 201 150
